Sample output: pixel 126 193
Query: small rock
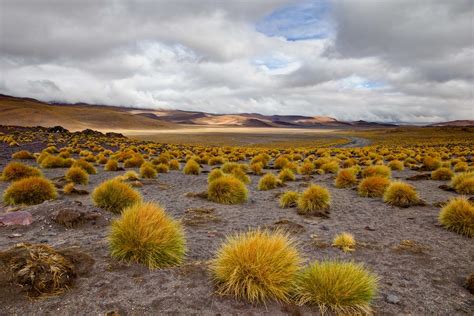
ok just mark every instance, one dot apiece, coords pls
pixel 324 227
pixel 14 235
pixel 16 218
pixel 369 228
pixel 392 299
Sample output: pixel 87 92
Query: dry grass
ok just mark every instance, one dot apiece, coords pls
pixel 340 287
pixel 146 234
pixel 289 199
pixel 227 190
pixel 257 266
pixel 192 167
pixel 268 182
pixel 344 241
pixel 345 178
pixel 458 216
pixel 77 175
pixel 374 186
pixel 115 195
pixel 401 194
pixel 314 200
pixel 16 171
pixel 30 191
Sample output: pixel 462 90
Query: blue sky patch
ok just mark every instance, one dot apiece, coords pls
pixel 357 82
pixel 304 20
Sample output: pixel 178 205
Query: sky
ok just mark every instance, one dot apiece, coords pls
pixel 386 61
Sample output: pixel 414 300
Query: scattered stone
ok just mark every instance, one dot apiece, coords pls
pixel 446 187
pixel 71 217
pixel 324 227
pixel 287 225
pixel 16 218
pixel 469 285
pixel 369 228
pixel 411 246
pixel 392 299
pixel 418 177
pixel 15 235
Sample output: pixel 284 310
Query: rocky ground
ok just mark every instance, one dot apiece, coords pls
pixel 419 277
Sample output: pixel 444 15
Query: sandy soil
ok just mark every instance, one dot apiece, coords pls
pixel 426 280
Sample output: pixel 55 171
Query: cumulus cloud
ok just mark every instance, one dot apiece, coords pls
pixel 374 60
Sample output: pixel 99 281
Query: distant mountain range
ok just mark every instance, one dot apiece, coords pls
pixel 31 112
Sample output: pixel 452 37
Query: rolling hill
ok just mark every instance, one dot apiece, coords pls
pixel 31 112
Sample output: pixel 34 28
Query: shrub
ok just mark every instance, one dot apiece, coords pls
pixel 344 241
pixel 174 165
pixel 51 161
pixel 162 168
pixel 461 167
pixel 374 186
pixel 306 168
pixel 229 167
pixel 342 287
pixel 396 165
pixel 442 174
pixel 330 167
pixel 281 162
pixel 23 154
pixel 289 199
pixel 345 178
pixel 115 195
pixel 214 174
pixel 192 167
pixel 463 183
pixel 268 182
pixel 401 194
pixel 313 199
pixel 216 160
pixel 227 190
pixel 286 175
pixel 16 171
pixel 145 234
pixel 30 191
pixel 458 216
pixel 431 163
pixel 257 266
pixel 87 166
pixel 134 162
pixel 241 175
pixel 111 165
pixel 148 171
pixel 77 175
pixel 382 171
pixel 256 168
pixel 131 176
pixel 68 188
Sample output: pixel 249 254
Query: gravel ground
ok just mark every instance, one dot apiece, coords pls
pixel 420 281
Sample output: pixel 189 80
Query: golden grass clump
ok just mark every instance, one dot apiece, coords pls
pixel 257 266
pixel 16 171
pixel 458 216
pixel 146 234
pixel 174 164
pixel 289 199
pixel 344 288
pixel 51 161
pixel 39 269
pixel 306 168
pixel 115 195
pixel 382 171
pixel 240 174
pixel 463 183
pixel 286 175
pixel 344 241
pixel 401 194
pixel 268 182
pixel 111 165
pixel 373 186
pixel 162 168
pixel 134 162
pixel 431 163
pixel 227 190
pixel 461 166
pixel 130 176
pixel 77 175
pixel 192 167
pixel 256 168
pixel 330 167
pixel 214 174
pixel 30 191
pixel 68 188
pixel 148 171
pixel 23 154
pixel 87 166
pixel 345 178
pixel 396 165
pixel 442 174
pixel 313 199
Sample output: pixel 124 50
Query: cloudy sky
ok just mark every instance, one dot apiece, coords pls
pixel 390 60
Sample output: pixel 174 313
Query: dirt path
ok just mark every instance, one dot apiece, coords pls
pixel 354 142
